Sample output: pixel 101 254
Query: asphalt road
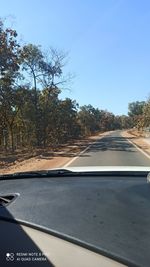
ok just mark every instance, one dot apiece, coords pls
pixel 111 150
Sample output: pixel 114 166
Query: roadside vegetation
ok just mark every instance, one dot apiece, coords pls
pixel 32 114
pixel 139 113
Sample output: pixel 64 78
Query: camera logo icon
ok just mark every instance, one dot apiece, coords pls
pixel 10 256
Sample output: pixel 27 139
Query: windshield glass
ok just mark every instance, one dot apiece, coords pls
pixel 74 84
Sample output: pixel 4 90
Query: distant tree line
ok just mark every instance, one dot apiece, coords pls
pixel 31 112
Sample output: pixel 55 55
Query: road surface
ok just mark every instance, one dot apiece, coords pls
pixel 111 150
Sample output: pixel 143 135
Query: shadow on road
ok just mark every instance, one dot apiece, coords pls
pixel 112 144
pixel 69 151
pixel 105 144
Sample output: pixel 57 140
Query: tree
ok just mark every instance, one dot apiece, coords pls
pixel 47 70
pixel 135 111
pixel 126 122
pixel 145 119
pixel 52 69
pixel 31 58
pixel 67 120
pixel 86 119
pixel 136 108
pixel 9 52
pixel 9 67
pixel 48 103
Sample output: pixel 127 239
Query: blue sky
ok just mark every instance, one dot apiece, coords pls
pixel 108 44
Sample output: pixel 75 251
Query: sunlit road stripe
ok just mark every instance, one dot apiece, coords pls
pixel 82 152
pixel 143 152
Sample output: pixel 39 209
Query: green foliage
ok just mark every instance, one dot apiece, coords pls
pixel 136 108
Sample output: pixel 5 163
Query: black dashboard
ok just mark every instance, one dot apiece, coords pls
pixel 109 215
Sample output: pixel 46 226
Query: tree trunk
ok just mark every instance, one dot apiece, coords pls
pixel 12 138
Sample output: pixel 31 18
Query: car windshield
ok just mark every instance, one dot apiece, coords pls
pixel 74 84
pixel 75 129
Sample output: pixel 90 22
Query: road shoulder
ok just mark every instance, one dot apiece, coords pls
pixel 139 141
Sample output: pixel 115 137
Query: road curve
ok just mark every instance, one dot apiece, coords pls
pixel 111 150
